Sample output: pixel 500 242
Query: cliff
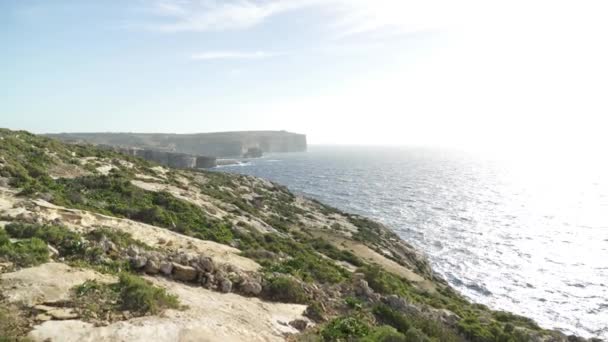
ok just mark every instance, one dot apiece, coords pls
pixel 170 159
pixel 224 144
pixel 101 246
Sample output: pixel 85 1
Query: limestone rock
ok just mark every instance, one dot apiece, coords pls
pixel 251 287
pixel 166 267
pixel 299 324
pixel 152 266
pixel 138 261
pixel 206 264
pixel 184 273
pixel 62 314
pixel 226 286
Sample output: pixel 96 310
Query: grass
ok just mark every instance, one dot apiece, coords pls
pixel 285 289
pixel 115 195
pixel 303 262
pixel 349 328
pixel 24 253
pixel 13 327
pixel 131 293
pixel 76 249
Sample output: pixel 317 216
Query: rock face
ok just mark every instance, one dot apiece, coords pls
pixel 184 273
pixel 170 159
pixel 225 144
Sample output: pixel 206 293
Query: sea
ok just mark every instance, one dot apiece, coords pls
pixel 528 236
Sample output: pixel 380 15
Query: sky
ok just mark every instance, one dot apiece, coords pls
pixel 499 75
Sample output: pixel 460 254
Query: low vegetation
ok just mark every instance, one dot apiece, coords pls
pixel 13 326
pixel 132 293
pixel 295 263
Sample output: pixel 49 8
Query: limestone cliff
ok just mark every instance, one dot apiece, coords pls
pixel 101 246
pixel 223 144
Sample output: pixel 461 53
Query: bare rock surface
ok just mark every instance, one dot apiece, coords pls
pixel 211 316
pixel 50 282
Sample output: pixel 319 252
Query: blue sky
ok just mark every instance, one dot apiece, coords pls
pixel 342 71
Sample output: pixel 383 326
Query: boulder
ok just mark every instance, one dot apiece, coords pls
pixel 251 287
pixel 400 304
pixel 206 264
pixel 166 267
pixel 138 261
pixel 152 266
pixel 184 273
pixel 62 314
pixel 106 245
pixel 299 324
pixel 226 286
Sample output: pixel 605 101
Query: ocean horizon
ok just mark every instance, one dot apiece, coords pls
pixel 527 236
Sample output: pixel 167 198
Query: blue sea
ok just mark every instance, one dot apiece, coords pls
pixel 529 236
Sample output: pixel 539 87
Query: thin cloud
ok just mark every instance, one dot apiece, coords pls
pixel 210 15
pixel 219 55
pixel 347 17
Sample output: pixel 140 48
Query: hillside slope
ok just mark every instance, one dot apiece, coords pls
pixel 98 246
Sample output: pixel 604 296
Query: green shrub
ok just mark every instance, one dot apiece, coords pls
pixel 24 253
pixel 384 334
pixel 388 316
pixel 131 293
pixel 345 329
pixel 285 289
pixel 415 335
pixel 405 323
pixel 115 195
pixel 138 295
pixel 66 241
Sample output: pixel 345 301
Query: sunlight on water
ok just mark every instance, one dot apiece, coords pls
pixel 528 234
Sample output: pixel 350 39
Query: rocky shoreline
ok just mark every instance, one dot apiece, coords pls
pixel 208 254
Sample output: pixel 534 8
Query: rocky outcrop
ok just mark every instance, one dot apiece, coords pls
pixel 224 144
pixel 170 159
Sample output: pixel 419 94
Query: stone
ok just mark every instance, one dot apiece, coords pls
pixel 138 261
pixel 43 308
pixel 299 324
pixel 166 267
pixel 207 280
pixel 53 252
pixel 184 273
pixel 4 266
pixel 43 317
pixel 226 286
pixel 62 314
pixel 152 266
pixel 106 245
pixel 133 251
pixel 206 264
pixel 362 289
pixel 400 304
pixel 251 287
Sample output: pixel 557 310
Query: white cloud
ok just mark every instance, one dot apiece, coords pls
pixel 347 17
pixel 211 15
pixel 211 55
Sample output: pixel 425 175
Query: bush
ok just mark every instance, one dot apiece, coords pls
pixel 138 295
pixel 66 241
pixel 115 195
pixel 384 334
pixel 415 335
pixel 345 329
pixel 386 315
pixel 25 253
pixel 131 293
pixel 285 289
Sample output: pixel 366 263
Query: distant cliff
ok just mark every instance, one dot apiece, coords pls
pixel 224 144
